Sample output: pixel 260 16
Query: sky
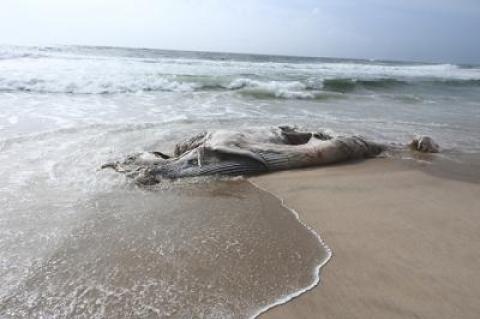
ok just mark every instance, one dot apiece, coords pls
pixel 411 30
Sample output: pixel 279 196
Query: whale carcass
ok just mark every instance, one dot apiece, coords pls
pixel 252 151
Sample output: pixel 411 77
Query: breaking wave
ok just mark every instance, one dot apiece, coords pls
pixel 96 86
pixel 83 70
pixel 318 89
pixel 275 89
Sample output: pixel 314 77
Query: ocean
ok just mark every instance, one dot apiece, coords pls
pixel 46 89
pixel 79 241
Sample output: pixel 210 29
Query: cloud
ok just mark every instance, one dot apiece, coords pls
pixel 404 29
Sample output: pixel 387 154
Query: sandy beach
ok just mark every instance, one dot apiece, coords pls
pixel 406 242
pixel 78 241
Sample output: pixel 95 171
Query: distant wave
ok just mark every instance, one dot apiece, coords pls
pixel 321 89
pixel 244 86
pixel 98 86
pixel 16 52
pixel 19 55
pixel 86 70
pixel 349 85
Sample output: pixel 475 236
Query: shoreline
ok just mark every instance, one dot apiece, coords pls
pixel 398 251
pixel 316 271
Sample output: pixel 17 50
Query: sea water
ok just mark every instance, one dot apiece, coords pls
pixel 76 241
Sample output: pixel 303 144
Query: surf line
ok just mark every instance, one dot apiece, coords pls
pixel 316 271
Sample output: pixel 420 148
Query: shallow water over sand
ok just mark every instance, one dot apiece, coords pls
pixel 79 242
pixel 222 249
pixel 46 88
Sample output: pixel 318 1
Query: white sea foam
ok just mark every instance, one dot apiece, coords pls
pixel 52 144
pixel 70 70
pixel 278 89
pixel 316 270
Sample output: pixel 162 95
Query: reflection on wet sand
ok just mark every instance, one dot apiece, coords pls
pixel 223 249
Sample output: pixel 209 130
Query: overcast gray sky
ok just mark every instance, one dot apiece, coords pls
pixel 427 30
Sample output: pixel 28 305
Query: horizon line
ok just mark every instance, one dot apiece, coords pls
pixel 281 55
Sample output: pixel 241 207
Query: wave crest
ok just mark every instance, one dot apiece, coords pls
pixel 79 70
pixel 100 86
pixel 273 89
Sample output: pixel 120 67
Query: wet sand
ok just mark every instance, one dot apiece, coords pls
pixel 218 249
pixel 405 240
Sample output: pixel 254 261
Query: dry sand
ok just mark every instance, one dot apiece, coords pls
pixel 406 243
